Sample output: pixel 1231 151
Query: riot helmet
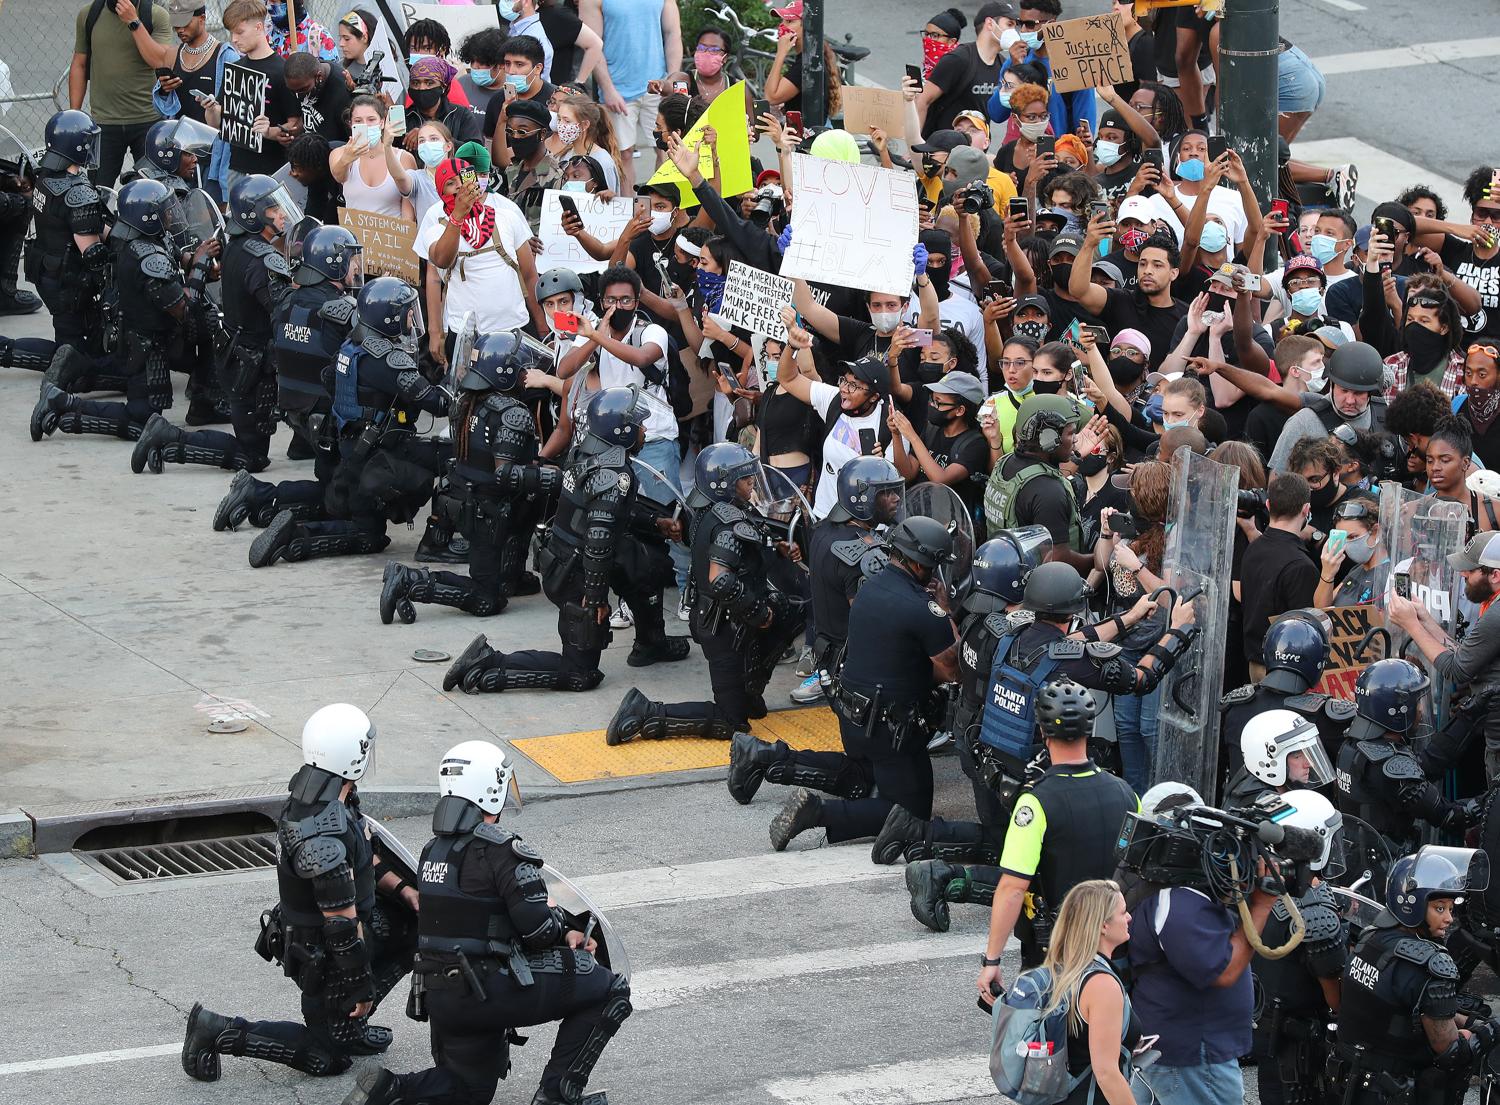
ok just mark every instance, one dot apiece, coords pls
pixel 1356 366
pixel 331 253
pixel 559 281
pixel 389 307
pixel 861 483
pixel 340 739
pixel 161 152
pixel 192 137
pixel 71 138
pixel 721 467
pixel 1312 812
pixel 1270 739
pixel 998 576
pixel 1055 591
pixel 617 416
pixel 143 208
pixel 1387 699
pixel 500 361
pixel 925 542
pixel 1433 872
pixel 479 773
pixel 1296 650
pixel 1040 422
pixel 1065 710
pixel 257 202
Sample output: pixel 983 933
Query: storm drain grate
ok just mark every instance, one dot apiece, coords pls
pixel 184 859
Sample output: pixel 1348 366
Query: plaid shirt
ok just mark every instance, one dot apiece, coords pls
pixel 1453 374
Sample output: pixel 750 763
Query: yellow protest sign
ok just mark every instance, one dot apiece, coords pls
pixel 730 120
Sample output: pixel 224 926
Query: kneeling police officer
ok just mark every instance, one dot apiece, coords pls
pixel 493 955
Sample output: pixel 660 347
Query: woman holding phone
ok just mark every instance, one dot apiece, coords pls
pixel 376 176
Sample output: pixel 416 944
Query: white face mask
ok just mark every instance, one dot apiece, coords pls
pixel 661 222
pixel 1032 131
pixel 885 322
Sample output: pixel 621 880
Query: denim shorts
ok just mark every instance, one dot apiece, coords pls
pixel 1299 85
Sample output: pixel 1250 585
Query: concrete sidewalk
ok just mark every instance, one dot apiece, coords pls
pixel 130 625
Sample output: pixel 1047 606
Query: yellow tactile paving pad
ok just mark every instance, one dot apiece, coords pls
pixel 584 757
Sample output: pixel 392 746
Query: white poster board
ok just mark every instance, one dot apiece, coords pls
pixel 753 299
pixel 852 225
pixel 460 20
pixel 605 221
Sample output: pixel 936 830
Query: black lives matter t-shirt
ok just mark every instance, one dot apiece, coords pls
pixel 281 105
pixel 1481 275
pixel 967 84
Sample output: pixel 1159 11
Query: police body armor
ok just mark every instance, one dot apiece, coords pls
pixel 243 315
pixel 1008 718
pixel 498 425
pixel 855 550
pixel 977 640
pixel 1332 419
pixel 308 328
pixel 726 534
pixel 148 280
pixel 357 400
pixel 1331 715
pixel 590 475
pixel 453 920
pixel 1002 494
pixel 1379 1027
pixel 66 204
pixel 1291 1022
pixel 1369 774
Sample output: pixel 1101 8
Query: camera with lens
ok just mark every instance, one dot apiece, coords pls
pixel 1252 504
pixel 974 198
pixel 373 78
pixel 770 203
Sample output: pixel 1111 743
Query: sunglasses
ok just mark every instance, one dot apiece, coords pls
pixel 1354 512
pixel 1426 301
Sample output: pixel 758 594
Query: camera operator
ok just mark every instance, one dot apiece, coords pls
pixel 1277 574
pixel 1063 831
pixel 1400 1034
pixel 1188 954
pixel 1474 662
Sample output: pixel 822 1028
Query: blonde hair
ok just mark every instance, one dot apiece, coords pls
pixel 1075 944
pixel 243 11
pixel 596 127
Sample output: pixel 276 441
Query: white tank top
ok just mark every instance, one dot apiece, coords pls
pixel 383 198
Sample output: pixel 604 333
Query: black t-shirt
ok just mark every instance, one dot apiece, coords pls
pixel 562 26
pixel 1142 60
pixel 1061 313
pixel 1043 501
pixel 1483 277
pixel 281 105
pixel 1263 427
pixel 1277 575
pixel 1126 311
pixel 967 84
pixel 1115 181
pixel 1127 267
pixel 793 73
pixel 969 448
pixel 324 111
pixel 497 101
pixel 200 80
pixel 787 425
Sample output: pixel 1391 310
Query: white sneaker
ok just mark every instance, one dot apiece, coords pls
pixel 621 618
pixel 684 611
pixel 809 690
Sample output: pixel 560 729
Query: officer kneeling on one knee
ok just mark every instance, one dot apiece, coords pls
pixel 494 955
pixel 1063 831
pixel 345 947
pixel 1400 1034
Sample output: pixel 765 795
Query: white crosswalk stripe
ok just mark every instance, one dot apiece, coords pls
pixel 1382 175
pixel 919 1082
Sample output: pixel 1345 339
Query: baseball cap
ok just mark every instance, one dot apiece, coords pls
pixel 768 176
pixel 1053 213
pixel 968 165
pixel 977 118
pixel 942 141
pixel 1065 243
pixel 1112 118
pixel 792 10
pixel 1133 338
pixel 1482 551
pixel 1304 262
pixel 1135 207
pixel 962 384
pixel 1362 236
pixel 1331 337
pixel 1112 270
pixel 1154 378
pixel 183 11
pixel 1037 301
pixel 664 189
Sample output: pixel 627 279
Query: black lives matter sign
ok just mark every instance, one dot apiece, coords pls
pixel 753 299
pixel 244 100
pixel 1088 53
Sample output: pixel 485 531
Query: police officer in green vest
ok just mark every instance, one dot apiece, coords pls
pixel 1028 488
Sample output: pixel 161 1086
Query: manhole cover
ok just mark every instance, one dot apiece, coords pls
pixel 228 725
pixel 430 655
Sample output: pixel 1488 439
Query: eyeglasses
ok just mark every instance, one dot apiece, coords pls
pixel 939 36
pixel 618 301
pixel 710 50
pixel 1028 24
pixel 1320 481
pixel 849 383
pixel 1129 352
pixel 1488 214
pixel 1017 362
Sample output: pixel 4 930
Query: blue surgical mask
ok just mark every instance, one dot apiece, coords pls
pixel 1106 153
pixel 1213 238
pixel 1033 39
pixel 1307 302
pixel 768 367
pixel 519 81
pixel 1323 247
pixel 374 133
pixel 412 59
pixel 507 10
pixel 432 153
pixel 575 186
pixel 1191 169
pixel 482 78
pixel 1004 95
pixel 1168 424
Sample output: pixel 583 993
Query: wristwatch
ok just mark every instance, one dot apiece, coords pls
pixel 133 26
pixel 987 961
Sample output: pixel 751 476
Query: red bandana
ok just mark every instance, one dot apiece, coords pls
pixel 480 224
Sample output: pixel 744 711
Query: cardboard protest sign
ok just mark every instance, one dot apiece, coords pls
pixel 1088 53
pixel 874 107
pixel 604 220
pixel 729 115
pixel 1350 624
pixel 753 299
pixel 460 20
pixel 389 244
pixel 854 226
pixel 244 99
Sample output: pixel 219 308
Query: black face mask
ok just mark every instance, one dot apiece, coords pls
pixel 1123 371
pixel 661 143
pixel 1061 274
pixel 1320 497
pixel 1426 347
pixel 682 273
pixel 1046 387
pixel 930 167
pixel 939 278
pixel 621 320
pixel 524 147
pixel 425 99
pixel 929 373
pixel 938 417
pixel 1092 464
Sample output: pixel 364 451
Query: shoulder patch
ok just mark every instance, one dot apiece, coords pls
pixel 1376 751
pixel 1101 650
pixel 727 512
pixel 1066 649
pixel 276 265
pixel 158 266
pixel 1340 709
pixel 81 195
pixel 524 851
pixel 492 832
pixel 517 417
pixel 1238 695
pixel 934 608
pixel 1309 703
pixel 1402 768
pixel 849 552
pixel 400 361
pixel 340 310
pixel 1024 816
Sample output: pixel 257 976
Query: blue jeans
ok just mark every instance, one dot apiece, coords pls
pixel 664 457
pixel 1205 1084
pixel 1135 728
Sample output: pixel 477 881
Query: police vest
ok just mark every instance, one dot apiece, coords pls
pixel 141 265
pixel 63 201
pixel 1330 417
pixel 1085 807
pixel 1001 494
pixel 304 821
pixel 303 345
pixel 485 431
pixel 580 484
pixel 453 920
pixel 351 403
pixel 1008 723
pixel 1368 775
pixel 1382 989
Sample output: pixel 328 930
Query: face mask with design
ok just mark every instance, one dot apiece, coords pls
pixel 1032 131
pixel 482 78
pixel 1032 329
pixel 933 51
pixel 432 152
pixel 1307 302
pixel 1191 169
pixel 885 322
pixel 1214 238
pixel 1106 153
pixel 707 62
pixel 1133 239
pixel 568 132
pixel 1323 247
pixel 710 288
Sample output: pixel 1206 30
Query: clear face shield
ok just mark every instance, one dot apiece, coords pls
pixel 176 232
pixel 354 271
pixel 776 498
pixel 202 220
pixel 1460 871
pixel 191 136
pixel 91 155
pixel 369 745
pixel 282 212
pixel 15 158
pixel 413 325
pixel 1307 766
pixel 1034 543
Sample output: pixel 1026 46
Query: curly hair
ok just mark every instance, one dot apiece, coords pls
pixel 1416 410
pixel 1423 192
pixel 1026 95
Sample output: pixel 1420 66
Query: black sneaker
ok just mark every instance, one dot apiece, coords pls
pixel 200 1057
pixel 900 829
pixel 798 815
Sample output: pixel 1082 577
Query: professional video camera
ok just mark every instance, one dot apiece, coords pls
pixel 373 78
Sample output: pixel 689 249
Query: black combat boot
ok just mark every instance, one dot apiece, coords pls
pixel 662 650
pixel 901 828
pixel 749 756
pixel 394 585
pixel 375 1087
pixel 48 410
pixel 472 660
pixel 441 546
pixel 200 1047
pixel 800 813
pixel 147 452
pixel 247 498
